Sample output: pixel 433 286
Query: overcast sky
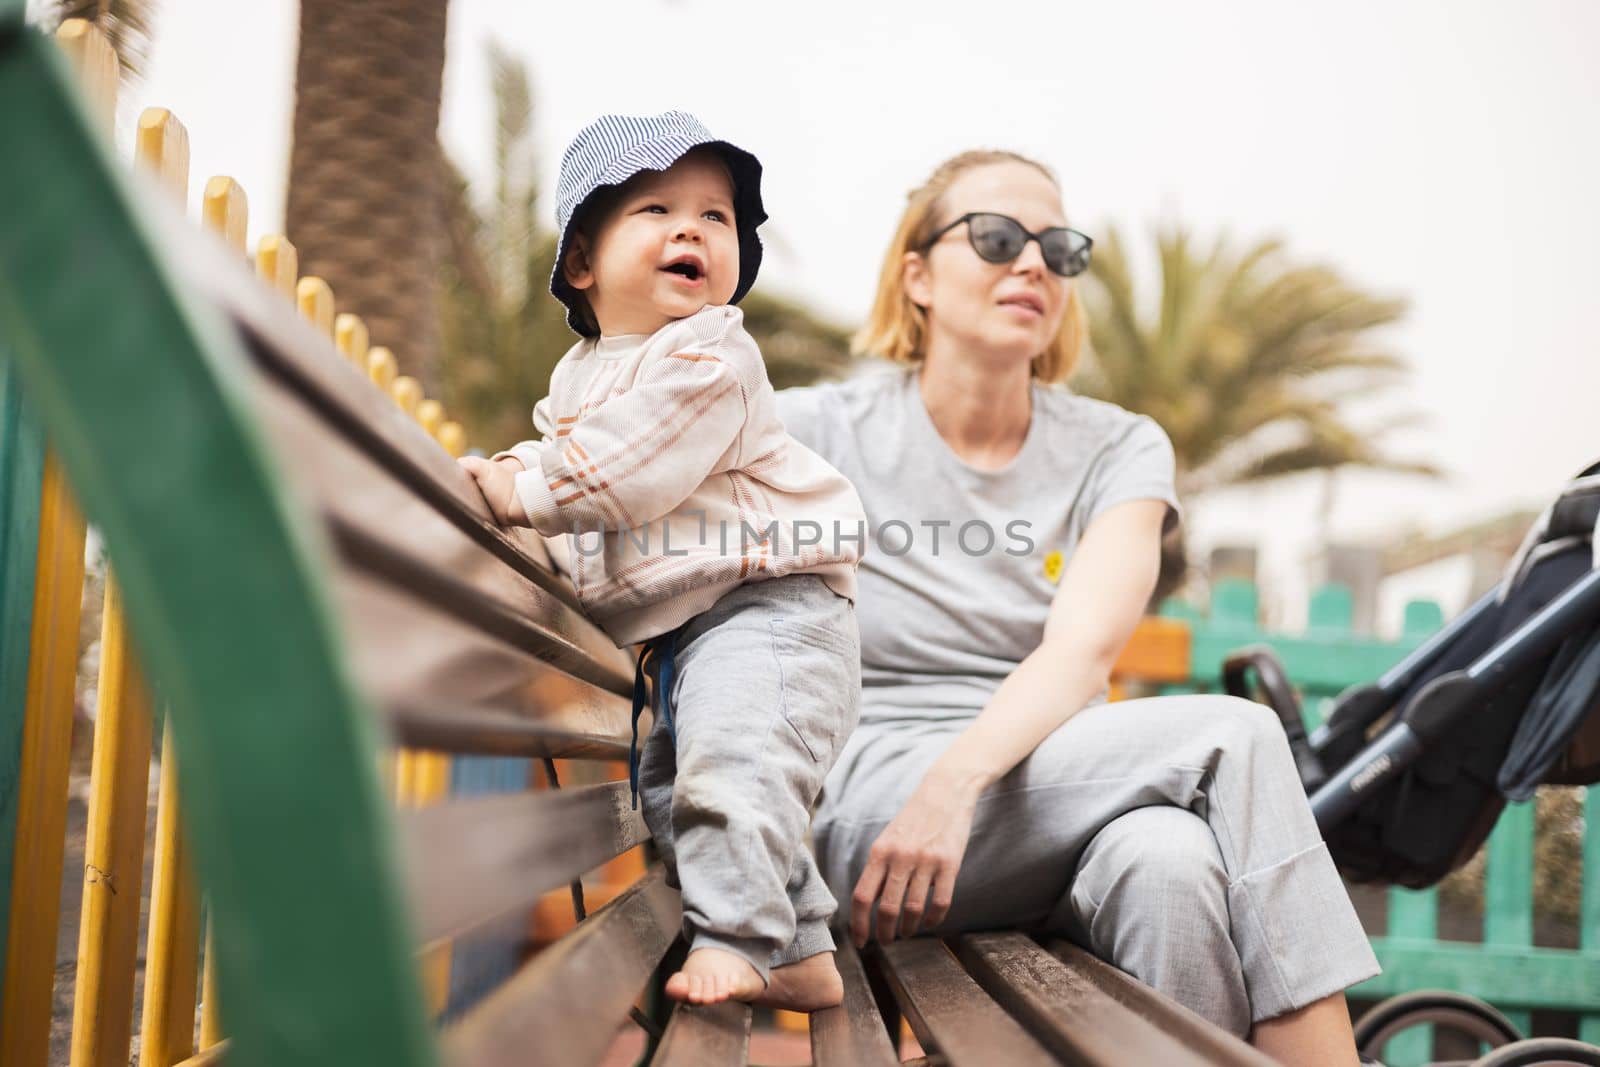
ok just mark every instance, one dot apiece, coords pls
pixel 1442 151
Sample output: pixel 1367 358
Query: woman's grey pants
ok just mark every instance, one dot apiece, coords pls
pixel 1170 836
pixel 768 686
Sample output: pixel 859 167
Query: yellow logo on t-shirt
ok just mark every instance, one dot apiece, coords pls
pixel 1052 567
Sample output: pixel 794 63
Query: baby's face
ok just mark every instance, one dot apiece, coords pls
pixel 667 248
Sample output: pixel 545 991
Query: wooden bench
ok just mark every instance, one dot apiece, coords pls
pixel 310 577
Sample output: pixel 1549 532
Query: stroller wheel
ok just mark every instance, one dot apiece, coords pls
pixel 1457 1011
pixel 1543 1052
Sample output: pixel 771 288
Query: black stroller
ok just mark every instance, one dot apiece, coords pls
pixel 1408 774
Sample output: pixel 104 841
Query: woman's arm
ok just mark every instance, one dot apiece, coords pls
pixel 1102 595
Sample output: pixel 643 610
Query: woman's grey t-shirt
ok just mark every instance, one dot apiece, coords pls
pixel 961 563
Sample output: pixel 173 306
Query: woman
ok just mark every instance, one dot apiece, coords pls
pixel 1015 545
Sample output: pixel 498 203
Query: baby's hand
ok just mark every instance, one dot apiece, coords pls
pixel 497 482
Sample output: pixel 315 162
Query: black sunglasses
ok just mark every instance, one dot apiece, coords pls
pixel 1000 239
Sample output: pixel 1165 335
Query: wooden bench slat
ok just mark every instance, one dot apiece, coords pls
pixel 294 352
pixel 360 499
pixel 348 403
pixel 491 614
pixel 496 732
pixel 1072 1013
pixel 408 655
pixel 853 1034
pixel 558 1009
pixel 714 1035
pixel 950 1013
pixel 472 860
pixel 1199 1035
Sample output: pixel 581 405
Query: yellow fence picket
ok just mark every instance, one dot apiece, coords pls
pixel 453 438
pixel 430 415
pixel 278 263
pixel 161 148
pixel 42 786
pixel 210 1008
pixel 350 337
pixel 406 391
pixel 381 367
pixel 166 1022
pixel 40 844
pixel 226 210
pixel 315 298
pixel 95 65
pixel 172 953
pixel 113 868
pixel 430 783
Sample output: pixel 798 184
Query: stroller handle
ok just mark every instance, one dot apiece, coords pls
pixel 1281 698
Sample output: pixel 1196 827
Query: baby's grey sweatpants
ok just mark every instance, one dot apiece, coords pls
pixel 1170 836
pixel 767 689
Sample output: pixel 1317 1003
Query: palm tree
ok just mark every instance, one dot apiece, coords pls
pixel 126 24
pixel 366 182
pixel 502 331
pixel 1248 360
pixel 799 346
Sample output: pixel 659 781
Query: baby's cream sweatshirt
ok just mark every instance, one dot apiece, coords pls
pixel 666 453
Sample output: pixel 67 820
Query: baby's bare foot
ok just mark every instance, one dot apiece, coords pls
pixel 810 985
pixel 710 976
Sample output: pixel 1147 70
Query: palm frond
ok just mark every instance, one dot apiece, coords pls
pixel 1245 357
pixel 1314 456
pixel 128 24
pixel 516 168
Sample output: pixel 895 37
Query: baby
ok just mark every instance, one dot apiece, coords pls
pixel 702 530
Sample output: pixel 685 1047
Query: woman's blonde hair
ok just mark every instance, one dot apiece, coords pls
pixel 896 329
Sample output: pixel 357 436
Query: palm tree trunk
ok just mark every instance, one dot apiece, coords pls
pixel 365 174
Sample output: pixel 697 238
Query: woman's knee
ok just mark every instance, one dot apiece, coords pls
pixel 1247 725
pixel 1153 858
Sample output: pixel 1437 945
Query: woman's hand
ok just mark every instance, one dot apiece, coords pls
pixel 1102 595
pixel 497 481
pixel 920 850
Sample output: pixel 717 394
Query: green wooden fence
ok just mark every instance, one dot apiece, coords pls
pixel 111 353
pixel 1505 967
